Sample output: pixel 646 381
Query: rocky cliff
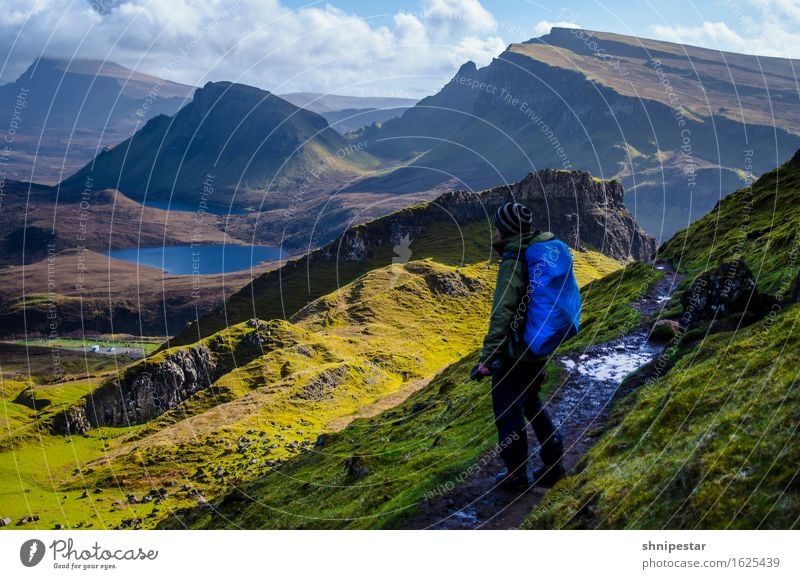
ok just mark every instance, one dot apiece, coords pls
pixel 578 208
pixel 677 125
pixel 142 393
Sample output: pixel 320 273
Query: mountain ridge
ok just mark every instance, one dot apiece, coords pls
pixel 251 141
pixel 608 108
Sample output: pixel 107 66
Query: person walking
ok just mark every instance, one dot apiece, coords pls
pixel 517 372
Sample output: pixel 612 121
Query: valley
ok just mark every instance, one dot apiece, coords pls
pixel 227 308
pixel 260 393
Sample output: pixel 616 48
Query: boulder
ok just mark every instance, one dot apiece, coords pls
pixel 729 289
pixel 323 385
pixel 71 421
pixel 453 284
pixel 354 469
pixel 664 330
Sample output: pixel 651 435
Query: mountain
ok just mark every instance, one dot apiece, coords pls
pixel 91 94
pixel 331 103
pixel 68 110
pixel 349 113
pixel 355 410
pixel 231 145
pixel 588 213
pixel 679 126
pixel 701 436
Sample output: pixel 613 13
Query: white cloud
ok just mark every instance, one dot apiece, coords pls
pixel 543 26
pixel 763 27
pixel 259 42
pixel 465 16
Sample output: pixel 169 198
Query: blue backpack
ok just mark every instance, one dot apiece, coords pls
pixel 552 303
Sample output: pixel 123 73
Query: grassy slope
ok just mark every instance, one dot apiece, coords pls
pixel 374 336
pixel 409 451
pixel 758 223
pixel 711 443
pixel 33 463
pixel 281 293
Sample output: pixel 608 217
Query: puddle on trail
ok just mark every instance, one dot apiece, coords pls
pixel 467 516
pixel 594 377
pixel 612 362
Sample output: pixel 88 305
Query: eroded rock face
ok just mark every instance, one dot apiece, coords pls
pixel 728 289
pixel 72 421
pixel 576 207
pixel 143 392
pixel 452 284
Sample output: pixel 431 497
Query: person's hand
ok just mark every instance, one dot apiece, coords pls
pixel 479 372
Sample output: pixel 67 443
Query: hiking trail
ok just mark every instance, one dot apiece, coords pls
pixel 579 406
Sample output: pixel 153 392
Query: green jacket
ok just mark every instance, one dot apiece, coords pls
pixel 512 283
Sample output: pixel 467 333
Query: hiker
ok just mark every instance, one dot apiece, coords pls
pixel 521 336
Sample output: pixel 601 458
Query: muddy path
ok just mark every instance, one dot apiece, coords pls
pixel 580 406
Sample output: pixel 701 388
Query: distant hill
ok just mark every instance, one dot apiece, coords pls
pixel 329 103
pixel 350 113
pixel 232 144
pixel 62 93
pixel 680 126
pixel 71 109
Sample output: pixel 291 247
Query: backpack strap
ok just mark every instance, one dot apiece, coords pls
pixel 516 255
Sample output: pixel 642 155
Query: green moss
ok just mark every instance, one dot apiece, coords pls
pixel 407 452
pixel 709 444
pixel 758 223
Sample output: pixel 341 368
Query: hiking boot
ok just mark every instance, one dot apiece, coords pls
pixel 516 482
pixel 547 476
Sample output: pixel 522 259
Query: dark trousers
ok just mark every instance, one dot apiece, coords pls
pixel 515 398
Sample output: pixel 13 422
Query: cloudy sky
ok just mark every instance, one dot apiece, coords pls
pixel 391 48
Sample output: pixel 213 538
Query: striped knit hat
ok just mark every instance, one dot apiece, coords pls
pixel 513 219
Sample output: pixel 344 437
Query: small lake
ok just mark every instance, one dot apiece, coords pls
pixel 199 259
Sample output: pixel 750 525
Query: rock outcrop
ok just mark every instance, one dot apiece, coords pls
pixel 72 421
pixel 322 386
pixel 728 289
pixel 578 208
pixel 144 392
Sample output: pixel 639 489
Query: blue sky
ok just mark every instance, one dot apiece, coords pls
pixel 608 16
pixel 392 48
